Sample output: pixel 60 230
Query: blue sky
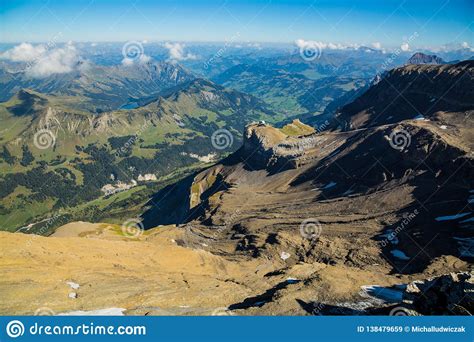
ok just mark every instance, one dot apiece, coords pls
pixel 362 22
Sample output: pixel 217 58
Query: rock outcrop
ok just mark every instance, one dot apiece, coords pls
pixel 421 58
pixel 266 147
pixel 449 294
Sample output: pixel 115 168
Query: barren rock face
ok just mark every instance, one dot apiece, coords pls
pixel 259 141
pixel 268 147
pixel 421 58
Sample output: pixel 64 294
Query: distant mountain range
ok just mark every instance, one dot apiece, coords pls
pixel 99 88
pixel 293 93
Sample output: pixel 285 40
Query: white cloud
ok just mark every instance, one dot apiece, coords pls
pixel 43 61
pixel 255 46
pixel 176 51
pixel 311 44
pixel 141 60
pixel 377 45
pixel 24 52
pixel 452 47
pixel 57 61
pixel 405 47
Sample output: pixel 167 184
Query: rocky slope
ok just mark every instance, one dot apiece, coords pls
pixel 163 272
pixel 355 187
pixel 412 91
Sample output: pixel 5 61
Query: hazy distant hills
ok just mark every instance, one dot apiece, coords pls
pixel 99 88
pixel 296 86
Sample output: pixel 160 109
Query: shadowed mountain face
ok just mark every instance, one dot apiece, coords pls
pixel 413 91
pixel 393 188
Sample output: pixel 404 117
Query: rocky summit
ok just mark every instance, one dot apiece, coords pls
pixel 421 58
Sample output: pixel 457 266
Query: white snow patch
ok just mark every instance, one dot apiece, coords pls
pixel 451 217
pixel 72 295
pixel 333 154
pixel 390 236
pixel 389 295
pixel 399 254
pixel 466 246
pixel 329 185
pixel 443 127
pixel 73 285
pixel 285 255
pixel 99 312
pixel 468 220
